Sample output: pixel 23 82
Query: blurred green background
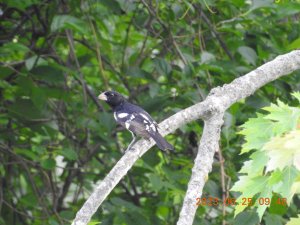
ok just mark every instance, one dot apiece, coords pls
pixel 57 140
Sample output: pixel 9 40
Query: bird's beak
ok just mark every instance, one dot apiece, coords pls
pixel 102 96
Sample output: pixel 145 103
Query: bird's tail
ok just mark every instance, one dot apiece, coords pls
pixel 161 142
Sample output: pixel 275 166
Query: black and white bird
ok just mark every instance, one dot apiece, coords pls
pixel 134 119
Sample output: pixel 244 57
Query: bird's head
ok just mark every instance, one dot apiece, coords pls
pixel 112 98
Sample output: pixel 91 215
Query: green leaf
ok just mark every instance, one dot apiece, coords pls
pixel 116 6
pixel 162 66
pixel 29 200
pixel 207 57
pixel 94 222
pixel 156 182
pixel 275 177
pixel 294 221
pixel 255 166
pixel 286 117
pixel 265 196
pixel 24 109
pixel 296 95
pixel 248 54
pixel 285 186
pixel 48 73
pixel 15 51
pixel 28 153
pixel 21 4
pixel 294 45
pixel 126 204
pixel 256 4
pixel 68 22
pixel 275 207
pixel 286 10
pixel 163 211
pixel 107 120
pixel 283 151
pixel 5 72
pixel 34 61
pixel 153 89
pixel 246 218
pixel 38 97
pixel 257 132
pixel 48 164
pixel 69 153
pixel 14 47
pixel 136 72
pixel 67 214
pixel 249 186
pixel 272 219
pixel 52 221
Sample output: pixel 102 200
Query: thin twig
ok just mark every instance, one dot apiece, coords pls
pixel 74 57
pixel 213 30
pixel 154 14
pixel 98 52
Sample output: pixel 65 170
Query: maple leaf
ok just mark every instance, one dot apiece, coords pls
pixel 283 151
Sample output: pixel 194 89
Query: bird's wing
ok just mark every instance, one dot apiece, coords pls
pixel 138 122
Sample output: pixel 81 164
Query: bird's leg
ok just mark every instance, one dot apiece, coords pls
pixel 132 142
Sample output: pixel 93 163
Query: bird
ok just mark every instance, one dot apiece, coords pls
pixel 135 119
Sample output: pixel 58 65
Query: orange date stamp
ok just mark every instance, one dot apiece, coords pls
pixel 212 201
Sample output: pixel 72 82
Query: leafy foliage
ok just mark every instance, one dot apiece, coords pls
pixel 57 140
pixel 274 165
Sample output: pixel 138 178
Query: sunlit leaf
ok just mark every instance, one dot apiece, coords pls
pixel 283 151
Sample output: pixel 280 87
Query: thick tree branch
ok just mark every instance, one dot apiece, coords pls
pixel 224 97
pixel 211 110
pixel 203 163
